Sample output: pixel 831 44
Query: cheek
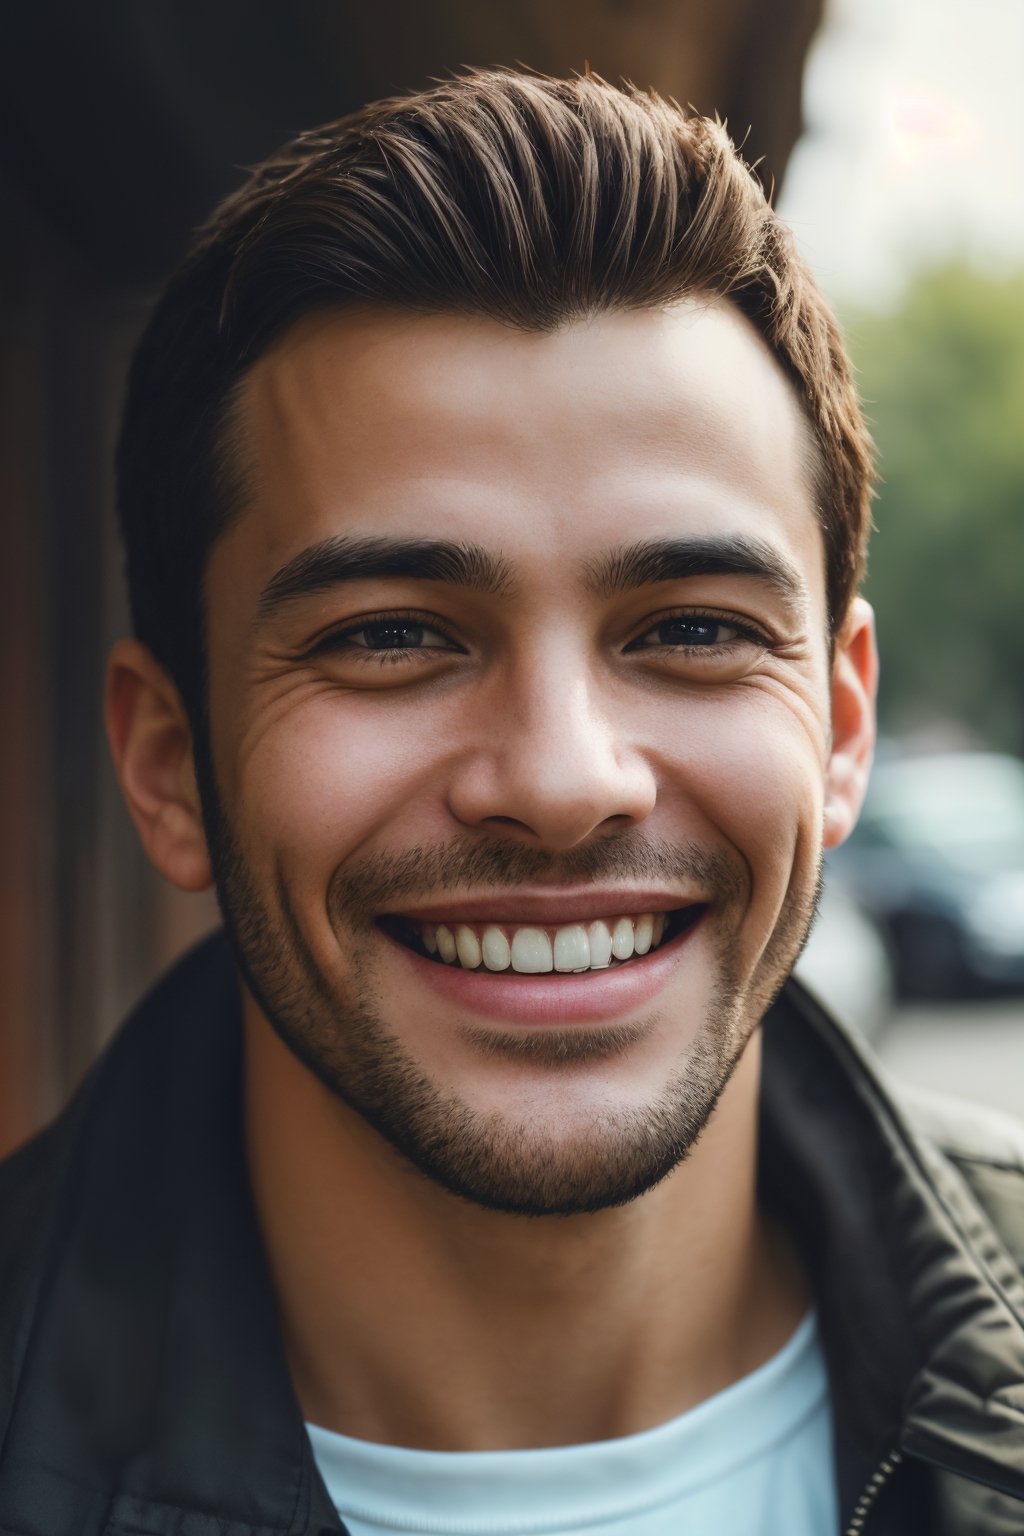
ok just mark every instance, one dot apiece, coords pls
pixel 754 771
pixel 327 777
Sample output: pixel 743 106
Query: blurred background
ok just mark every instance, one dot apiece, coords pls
pixel 890 135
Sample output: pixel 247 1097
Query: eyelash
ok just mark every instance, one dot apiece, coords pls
pixel 395 655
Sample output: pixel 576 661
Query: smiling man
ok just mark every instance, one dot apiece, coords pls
pixel 495 496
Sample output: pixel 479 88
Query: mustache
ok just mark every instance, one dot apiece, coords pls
pixel 423 872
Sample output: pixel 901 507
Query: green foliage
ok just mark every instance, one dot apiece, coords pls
pixel 943 383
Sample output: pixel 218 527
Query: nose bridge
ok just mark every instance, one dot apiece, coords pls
pixel 556 757
pixel 564 709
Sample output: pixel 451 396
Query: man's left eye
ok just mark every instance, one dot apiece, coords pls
pixel 693 631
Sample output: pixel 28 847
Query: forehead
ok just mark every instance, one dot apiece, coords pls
pixel 639 423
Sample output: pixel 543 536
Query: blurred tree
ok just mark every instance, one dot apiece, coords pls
pixel 943 381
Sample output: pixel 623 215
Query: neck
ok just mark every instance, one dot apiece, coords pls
pixel 413 1318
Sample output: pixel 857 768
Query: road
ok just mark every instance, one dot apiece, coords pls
pixel 972 1049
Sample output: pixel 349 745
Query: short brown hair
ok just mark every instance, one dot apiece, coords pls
pixel 500 193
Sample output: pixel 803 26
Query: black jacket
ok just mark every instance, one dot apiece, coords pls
pixel 143 1387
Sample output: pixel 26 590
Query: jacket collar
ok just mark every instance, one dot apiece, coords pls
pixel 922 1309
pixel 154 1365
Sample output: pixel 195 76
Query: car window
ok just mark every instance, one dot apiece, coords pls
pixel 946 803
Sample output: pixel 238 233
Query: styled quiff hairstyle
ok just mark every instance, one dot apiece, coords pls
pixel 533 201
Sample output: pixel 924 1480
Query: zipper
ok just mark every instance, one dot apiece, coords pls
pixel 866 1502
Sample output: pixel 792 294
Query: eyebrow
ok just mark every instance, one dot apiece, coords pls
pixel 654 560
pixel 340 559
pixel 337 560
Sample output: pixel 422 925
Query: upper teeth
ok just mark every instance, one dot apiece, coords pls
pixel 574 947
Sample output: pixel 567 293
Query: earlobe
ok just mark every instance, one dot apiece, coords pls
pixel 151 742
pixel 854 692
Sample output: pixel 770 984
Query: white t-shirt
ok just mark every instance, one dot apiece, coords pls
pixel 753 1460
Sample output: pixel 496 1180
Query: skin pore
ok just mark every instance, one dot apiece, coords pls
pixel 626 689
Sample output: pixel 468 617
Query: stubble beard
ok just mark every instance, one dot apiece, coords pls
pixel 492 1159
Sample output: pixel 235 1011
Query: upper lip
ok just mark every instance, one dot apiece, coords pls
pixel 547 907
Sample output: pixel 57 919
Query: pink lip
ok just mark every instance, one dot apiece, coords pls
pixel 595 997
pixel 550 906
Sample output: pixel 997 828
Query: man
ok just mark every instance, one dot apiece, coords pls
pixel 495 494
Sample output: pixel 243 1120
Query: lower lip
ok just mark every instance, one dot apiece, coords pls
pixel 552 998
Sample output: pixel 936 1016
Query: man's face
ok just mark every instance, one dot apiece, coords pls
pixel 604 697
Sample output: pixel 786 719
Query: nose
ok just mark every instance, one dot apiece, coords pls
pixel 554 765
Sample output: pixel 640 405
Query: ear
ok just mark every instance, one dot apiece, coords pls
pixel 151 742
pixel 854 690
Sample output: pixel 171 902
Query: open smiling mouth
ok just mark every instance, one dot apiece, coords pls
pixel 569 949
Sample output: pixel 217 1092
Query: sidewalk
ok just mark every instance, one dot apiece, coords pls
pixel 973 1049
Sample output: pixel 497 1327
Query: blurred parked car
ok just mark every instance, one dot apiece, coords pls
pixel 845 962
pixel 938 862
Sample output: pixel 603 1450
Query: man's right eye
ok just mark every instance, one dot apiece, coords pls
pixel 392 634
pixel 387 637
